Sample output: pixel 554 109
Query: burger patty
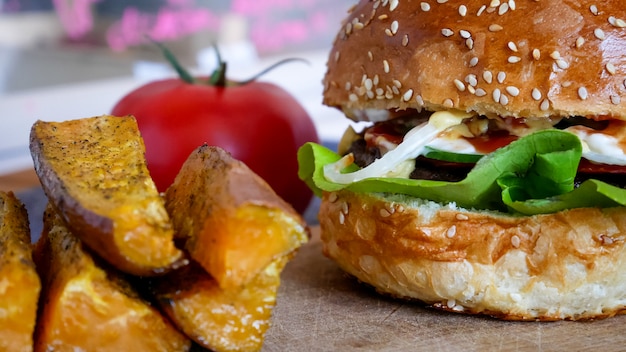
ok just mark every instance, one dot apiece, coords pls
pixel 437 170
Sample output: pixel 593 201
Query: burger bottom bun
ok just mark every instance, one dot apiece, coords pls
pixel 567 265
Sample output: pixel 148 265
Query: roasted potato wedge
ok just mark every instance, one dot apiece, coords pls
pixel 217 319
pixel 233 223
pixel 94 172
pixel 19 283
pixel 90 306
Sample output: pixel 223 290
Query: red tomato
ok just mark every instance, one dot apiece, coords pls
pixel 258 123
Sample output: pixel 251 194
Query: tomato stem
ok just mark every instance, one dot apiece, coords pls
pixel 169 56
pixel 218 77
pixel 279 63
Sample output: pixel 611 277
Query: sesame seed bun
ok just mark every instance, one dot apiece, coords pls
pixel 523 59
pixel 568 265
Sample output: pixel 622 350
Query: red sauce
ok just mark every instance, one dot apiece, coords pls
pixel 486 144
pixel 587 167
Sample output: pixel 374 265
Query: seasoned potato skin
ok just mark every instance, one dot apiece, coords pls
pixel 90 306
pixel 94 172
pixel 233 223
pixel 19 283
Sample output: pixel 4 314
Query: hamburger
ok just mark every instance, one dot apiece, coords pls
pixel 488 173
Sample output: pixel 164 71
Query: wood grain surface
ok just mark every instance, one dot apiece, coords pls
pixel 322 309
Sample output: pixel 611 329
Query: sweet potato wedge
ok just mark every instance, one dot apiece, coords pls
pixel 89 306
pixel 233 222
pixel 94 172
pixel 19 283
pixel 217 319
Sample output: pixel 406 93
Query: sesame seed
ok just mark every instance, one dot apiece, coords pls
pixel 370 55
pixel 471 79
pixel 512 90
pixel 380 91
pixel 369 94
pixel 419 100
pixel 447 32
pixel 579 42
pixel 348 86
pixel 405 40
pixel 332 197
pixel 465 34
pixel 512 46
pixel 384 16
pixel 545 105
pixel 448 103
pixel 480 92
pixel 397 83
pixel 407 95
pixel 471 89
pixel 610 68
pixel 562 64
pixel 494 3
pixel 593 9
pixel 473 61
pixel 358 25
pixel 386 66
pixel 536 54
pixel 368 84
pixel 384 213
pixel 504 100
pixel 501 77
pixel 515 241
pixel 461 217
pixel 451 231
pixel 336 56
pixel 395 90
pixel 514 59
pixel 442 1
pixel 342 218
pixel 375 80
pixel 512 5
pixel 488 76
pixel 463 10
pixel 495 27
pixel 566 84
pixel 619 23
pixel 353 97
pixel 480 10
pixel 503 9
pixel 459 85
pixel 394 27
pixel 536 94
pixel 376 4
pixel 469 42
pixel 615 99
pixel 582 93
pixel 388 32
pixel 393 4
pixel 599 33
pixel 555 55
pixel 425 6
pixel 348 28
pixel 496 95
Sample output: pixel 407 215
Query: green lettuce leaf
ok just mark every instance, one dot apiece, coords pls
pixel 533 175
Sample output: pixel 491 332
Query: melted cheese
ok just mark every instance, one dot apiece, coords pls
pixel 393 162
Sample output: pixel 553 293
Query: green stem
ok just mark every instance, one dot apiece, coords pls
pixel 255 77
pixel 169 56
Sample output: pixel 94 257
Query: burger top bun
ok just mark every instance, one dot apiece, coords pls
pixel 545 58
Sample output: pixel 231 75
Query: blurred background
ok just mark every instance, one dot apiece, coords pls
pixel 64 59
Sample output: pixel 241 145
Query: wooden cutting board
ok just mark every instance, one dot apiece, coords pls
pixel 320 308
